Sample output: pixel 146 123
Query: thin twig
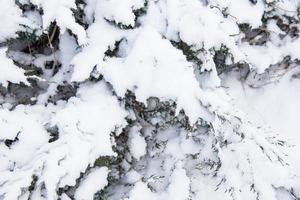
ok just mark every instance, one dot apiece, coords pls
pixel 50 39
pixel 53 34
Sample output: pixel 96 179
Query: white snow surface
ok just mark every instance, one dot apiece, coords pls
pixel 137 144
pixel 60 12
pixel 129 101
pixel 9 71
pixel 10 19
pixel 92 183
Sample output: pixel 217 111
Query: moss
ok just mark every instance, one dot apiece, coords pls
pixel 106 161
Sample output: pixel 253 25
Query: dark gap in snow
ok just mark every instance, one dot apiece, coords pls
pixel 32 43
pixel 256 36
pixel 188 51
pixel 79 14
pixel 24 94
pixel 138 13
pixel 63 92
pixel 113 51
pixel 54 133
pixel 119 24
pixel 9 142
pixel 273 74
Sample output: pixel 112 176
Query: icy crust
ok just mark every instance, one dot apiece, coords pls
pixel 84 125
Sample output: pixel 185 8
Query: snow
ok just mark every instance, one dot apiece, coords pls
pixel 120 12
pixel 141 191
pixel 133 176
pixel 10 19
pixel 151 114
pixel 179 184
pixel 288 7
pixel 79 125
pixel 244 11
pixel 60 12
pixel 137 144
pixel 84 117
pixel 67 52
pixel 272 53
pixel 146 70
pixel 88 58
pixel 280 115
pixel 93 182
pixel 9 71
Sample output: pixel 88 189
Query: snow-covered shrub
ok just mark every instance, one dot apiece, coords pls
pixel 132 99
